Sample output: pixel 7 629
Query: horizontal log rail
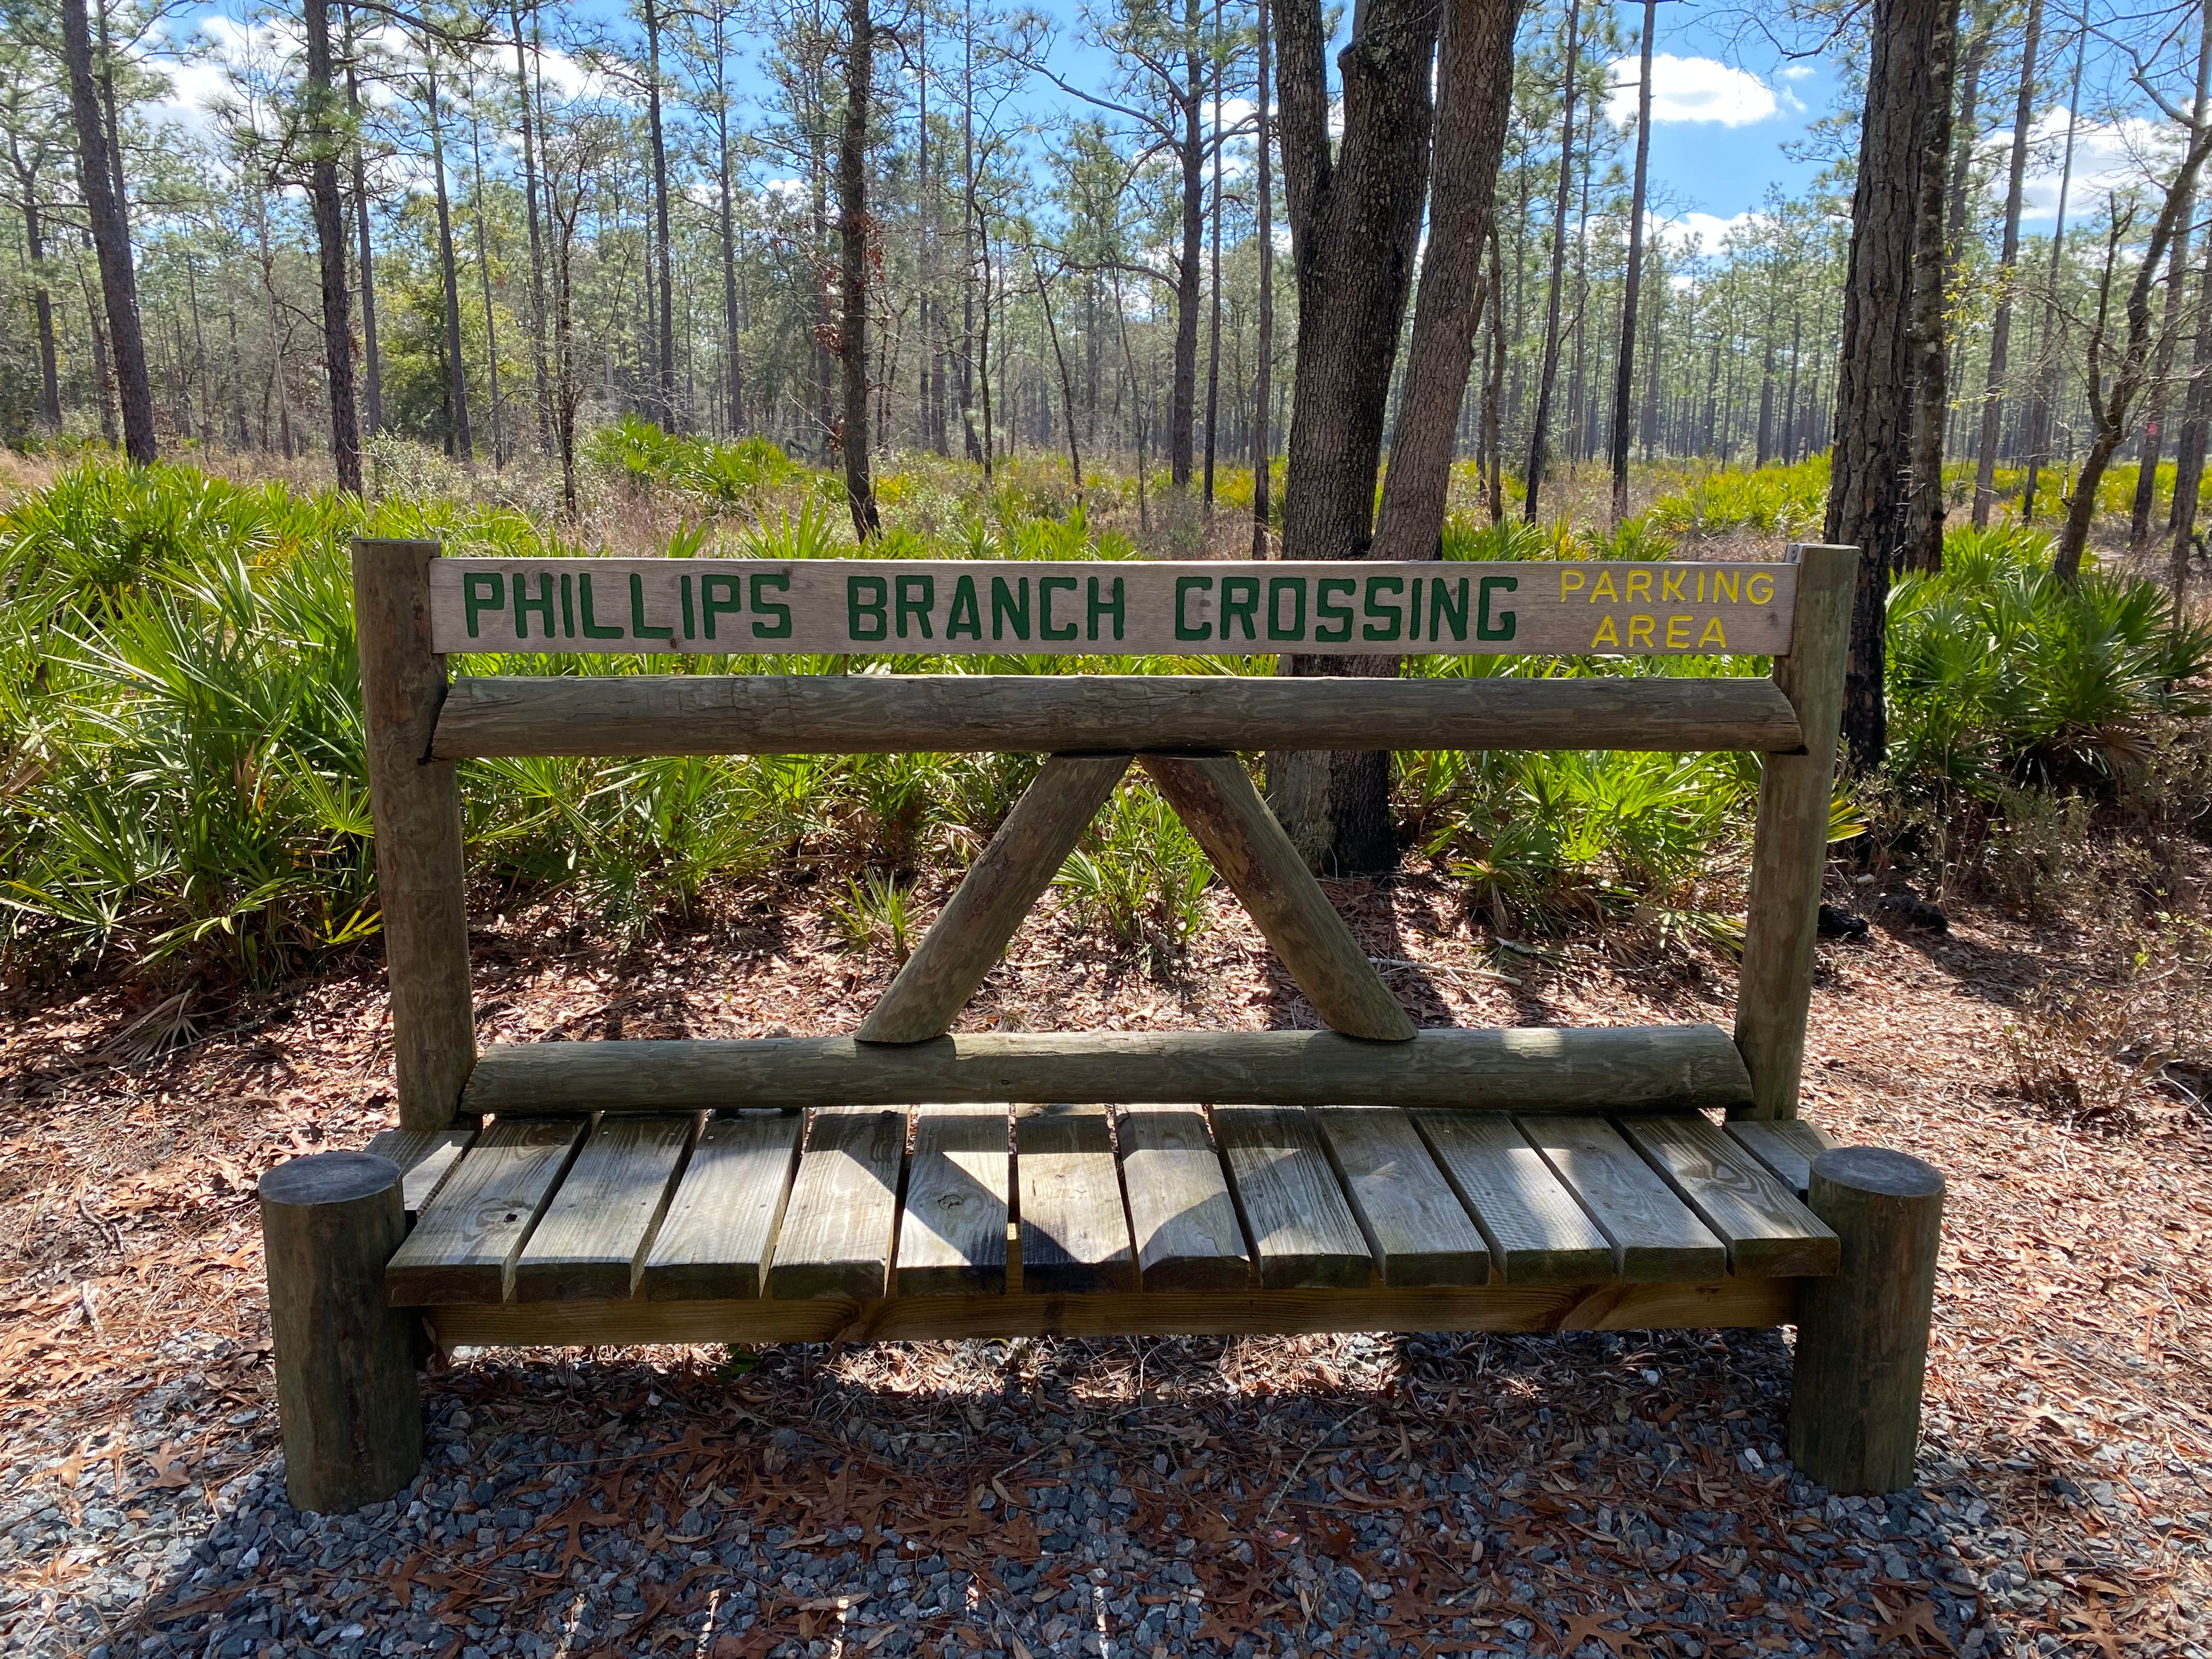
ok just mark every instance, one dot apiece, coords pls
pixel 1623 1068
pixel 1070 713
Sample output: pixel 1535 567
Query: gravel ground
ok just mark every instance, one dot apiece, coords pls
pixel 1588 1494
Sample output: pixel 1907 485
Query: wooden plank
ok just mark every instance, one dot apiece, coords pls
pixel 1136 714
pixel 720 1227
pixel 1214 796
pixel 843 1211
pixel 1000 890
pixel 1074 1232
pixel 1415 1224
pixel 466 1241
pixel 1526 1069
pixel 1538 1234
pixel 1786 1146
pixel 1185 1223
pixel 1302 1232
pixel 416 805
pixel 1654 1237
pixel 1768 1234
pixel 1723 1304
pixel 425 1157
pixel 590 1244
pixel 1789 847
pixel 952 1234
pixel 1134 607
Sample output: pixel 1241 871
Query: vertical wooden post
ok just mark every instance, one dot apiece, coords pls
pixel 1789 852
pixel 345 1374
pixel 1862 1334
pixel 416 804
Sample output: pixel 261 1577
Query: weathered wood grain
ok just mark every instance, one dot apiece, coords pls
pixel 1538 1234
pixel 351 1418
pixel 591 1243
pixel 466 1241
pixel 1768 1234
pixel 1187 1235
pixel 720 1228
pixel 952 1236
pixel 1863 1332
pixel 1304 1234
pixel 425 1157
pixel 1523 1069
pixel 839 1224
pixel 1000 888
pixel 1789 847
pixel 1063 713
pixel 1414 1223
pixel 1121 607
pixel 1213 796
pixel 414 802
pixel 1723 1304
pixel 1074 1232
pixel 1654 1237
pixel 1787 1146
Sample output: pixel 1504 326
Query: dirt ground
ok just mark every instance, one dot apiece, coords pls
pixel 2069 1408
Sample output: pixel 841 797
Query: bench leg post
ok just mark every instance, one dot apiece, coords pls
pixel 345 1372
pixel 1862 1334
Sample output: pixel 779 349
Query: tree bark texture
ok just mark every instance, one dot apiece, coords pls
pixel 1870 499
pixel 1931 267
pixel 111 239
pixel 1624 370
pixel 1474 80
pixel 1264 345
pixel 456 379
pixel 1547 376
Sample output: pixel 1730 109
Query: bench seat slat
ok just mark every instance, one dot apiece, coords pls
pixel 1187 1232
pixel 1785 1146
pixel 952 1237
pixel 425 1157
pixel 837 1232
pixel 1655 1236
pixel 720 1227
pixel 1414 1222
pixel 590 1244
pixel 466 1241
pixel 1538 1234
pixel 1301 1229
pixel 1768 1234
pixel 1074 1232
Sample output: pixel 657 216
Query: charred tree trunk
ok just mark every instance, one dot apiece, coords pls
pixel 852 265
pixel 329 214
pixel 1264 347
pixel 1624 368
pixel 1932 269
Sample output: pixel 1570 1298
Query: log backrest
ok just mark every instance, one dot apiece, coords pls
pixel 416 607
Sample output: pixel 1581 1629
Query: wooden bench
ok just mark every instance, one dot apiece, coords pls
pixel 898 1183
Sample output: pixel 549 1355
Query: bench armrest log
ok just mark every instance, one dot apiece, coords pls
pixel 1071 713
pixel 1790 850
pixel 1625 1068
pixel 1862 1333
pixel 345 1373
pixel 416 803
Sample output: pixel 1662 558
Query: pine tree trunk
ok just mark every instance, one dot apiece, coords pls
pixel 1214 347
pixel 1475 82
pixel 530 139
pixel 97 171
pixel 663 255
pixel 852 270
pixel 2189 453
pixel 1264 346
pixel 1932 269
pixel 2023 133
pixel 1540 430
pixel 42 303
pixel 1870 486
pixel 329 215
pixel 1624 368
pixel 364 261
pixel 1355 218
pixel 457 382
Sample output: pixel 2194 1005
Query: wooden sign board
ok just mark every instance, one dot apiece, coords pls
pixel 1121 608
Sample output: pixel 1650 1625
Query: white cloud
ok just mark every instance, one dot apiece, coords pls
pixel 1707 230
pixel 2107 156
pixel 1795 72
pixel 1689 89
